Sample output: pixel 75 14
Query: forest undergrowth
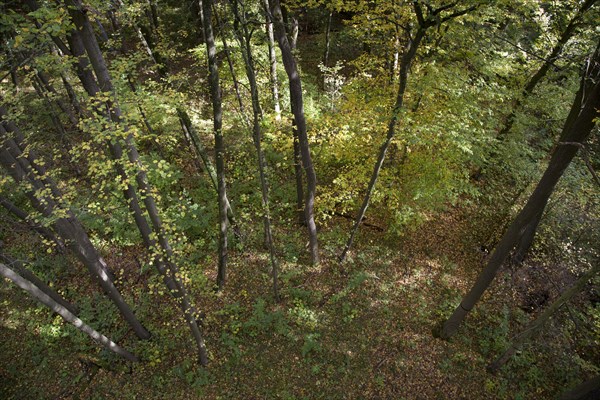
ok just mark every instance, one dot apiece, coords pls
pixel 358 330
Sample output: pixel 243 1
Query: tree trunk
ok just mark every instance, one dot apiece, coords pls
pixel 272 64
pixel 563 154
pixel 327 39
pixel 18 267
pixel 236 85
pixel 44 298
pixel 295 84
pixel 566 35
pixel 244 38
pixel 410 52
pixel 22 215
pixel 535 325
pixel 215 91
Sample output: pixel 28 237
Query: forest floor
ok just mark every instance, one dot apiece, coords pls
pixel 358 330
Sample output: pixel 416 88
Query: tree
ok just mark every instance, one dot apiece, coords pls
pixel 64 312
pixel 244 38
pixel 432 17
pixel 295 86
pixel 215 91
pixel 586 107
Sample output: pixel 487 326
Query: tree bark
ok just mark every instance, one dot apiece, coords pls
pixel 272 64
pixel 41 230
pixel 295 85
pixel 215 91
pixel 537 324
pixel 244 38
pixel 560 160
pixel 69 316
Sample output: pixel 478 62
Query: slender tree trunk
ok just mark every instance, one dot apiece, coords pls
pixel 236 85
pixel 64 312
pixel 566 35
pixel 327 39
pixel 535 325
pixel 272 63
pixel 563 154
pixel 407 58
pixel 18 267
pixel 295 84
pixel 244 38
pixel 215 91
pixel 294 30
pixel 433 18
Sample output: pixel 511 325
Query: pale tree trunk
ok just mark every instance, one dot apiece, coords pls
pixel 19 268
pixel 560 160
pixel 69 316
pixel 215 91
pixel 295 85
pixel 68 228
pixel 327 39
pixel 433 18
pixel 272 63
pixel 244 38
pixel 170 270
pixel 534 326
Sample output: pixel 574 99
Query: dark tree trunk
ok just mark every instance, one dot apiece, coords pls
pixel 215 91
pixel 577 132
pixel 567 34
pixel 68 315
pixel 433 18
pixel 236 85
pixel 19 268
pixel 22 215
pixel 244 38
pixel 295 84
pixel 409 54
